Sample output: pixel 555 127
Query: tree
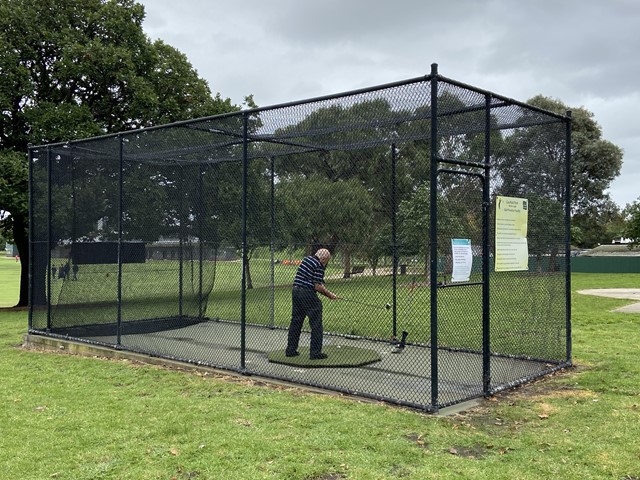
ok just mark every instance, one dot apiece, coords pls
pixel 13 189
pixel 631 215
pixel 70 70
pixel 595 163
pixel 598 224
pixel 320 212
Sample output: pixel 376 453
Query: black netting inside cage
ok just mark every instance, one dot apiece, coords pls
pixel 444 208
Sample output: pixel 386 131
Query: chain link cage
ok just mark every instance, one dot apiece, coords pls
pixel 182 241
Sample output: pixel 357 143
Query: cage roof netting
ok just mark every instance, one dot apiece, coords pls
pixel 354 120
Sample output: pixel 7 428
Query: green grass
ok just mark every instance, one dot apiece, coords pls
pixel 71 417
pixel 9 281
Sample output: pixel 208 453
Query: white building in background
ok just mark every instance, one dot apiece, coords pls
pixel 10 250
pixel 621 241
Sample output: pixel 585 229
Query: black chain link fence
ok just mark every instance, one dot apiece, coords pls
pixel 182 241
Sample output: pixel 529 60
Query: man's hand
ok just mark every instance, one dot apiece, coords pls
pixel 324 291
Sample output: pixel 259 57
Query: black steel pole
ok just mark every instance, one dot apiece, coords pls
pixel 433 235
pixel 74 216
pixel 31 249
pixel 120 227
pixel 243 297
pixel 486 202
pixel 567 214
pixel 49 235
pixel 201 214
pixel 394 246
pixel 181 216
pixel 273 230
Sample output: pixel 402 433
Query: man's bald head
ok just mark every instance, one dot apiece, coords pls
pixel 323 255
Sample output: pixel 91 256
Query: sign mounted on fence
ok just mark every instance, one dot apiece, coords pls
pixel 462 259
pixel 512 251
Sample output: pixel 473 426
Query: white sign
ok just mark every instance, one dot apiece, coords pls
pixel 462 259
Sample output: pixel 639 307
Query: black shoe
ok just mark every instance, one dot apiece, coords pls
pixel 294 354
pixel 318 356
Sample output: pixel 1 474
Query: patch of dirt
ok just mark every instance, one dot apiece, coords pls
pixel 540 391
pixel 399 471
pixel 14 309
pixel 476 451
pixel 549 387
pixel 327 476
pixel 417 439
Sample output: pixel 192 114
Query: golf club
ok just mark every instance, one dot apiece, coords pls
pixel 387 306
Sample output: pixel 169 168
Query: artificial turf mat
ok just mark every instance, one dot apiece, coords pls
pixel 338 356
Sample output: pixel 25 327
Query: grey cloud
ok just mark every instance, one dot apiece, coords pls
pixel 582 52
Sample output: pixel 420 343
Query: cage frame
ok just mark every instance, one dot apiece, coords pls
pixel 438 164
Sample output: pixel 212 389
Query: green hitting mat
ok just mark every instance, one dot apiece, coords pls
pixel 338 356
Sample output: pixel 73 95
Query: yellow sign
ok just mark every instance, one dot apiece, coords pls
pixel 512 251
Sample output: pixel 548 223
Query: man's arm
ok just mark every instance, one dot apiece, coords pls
pixel 319 287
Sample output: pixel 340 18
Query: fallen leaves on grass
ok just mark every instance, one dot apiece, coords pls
pixel 419 441
pixel 243 422
pixel 476 451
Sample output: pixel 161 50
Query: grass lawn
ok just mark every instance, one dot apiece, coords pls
pixel 71 417
pixel 9 281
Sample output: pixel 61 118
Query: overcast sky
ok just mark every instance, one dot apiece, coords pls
pixel 585 53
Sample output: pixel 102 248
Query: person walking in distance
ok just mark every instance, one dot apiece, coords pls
pixel 308 282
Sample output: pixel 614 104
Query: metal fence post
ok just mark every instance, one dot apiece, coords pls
pixel 273 229
pixel 30 234
pixel 243 297
pixel 567 206
pixel 201 213
pixel 120 227
pixel 181 216
pixel 49 235
pixel 394 240
pixel 486 203
pixel 433 235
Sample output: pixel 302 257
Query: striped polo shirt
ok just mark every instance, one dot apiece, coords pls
pixel 309 273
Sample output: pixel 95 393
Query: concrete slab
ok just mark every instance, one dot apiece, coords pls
pixel 621 293
pixel 398 378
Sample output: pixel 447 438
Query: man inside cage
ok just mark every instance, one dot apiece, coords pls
pixel 308 282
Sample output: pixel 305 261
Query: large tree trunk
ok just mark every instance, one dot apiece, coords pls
pixel 552 259
pixel 346 273
pixel 247 272
pixel 21 240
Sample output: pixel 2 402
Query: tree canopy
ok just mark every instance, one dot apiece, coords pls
pixel 595 163
pixel 631 214
pixel 70 70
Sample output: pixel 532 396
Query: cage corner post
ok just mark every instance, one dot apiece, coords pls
pixel 243 294
pixel 486 292
pixel 567 205
pixel 120 227
pixel 49 236
pixel 433 230
pixel 30 233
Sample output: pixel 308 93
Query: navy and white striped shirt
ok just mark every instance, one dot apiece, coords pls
pixel 310 272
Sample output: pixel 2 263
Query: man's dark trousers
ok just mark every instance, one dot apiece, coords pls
pixel 305 303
